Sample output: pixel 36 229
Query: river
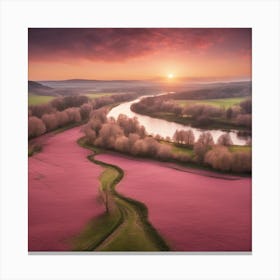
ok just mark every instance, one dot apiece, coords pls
pixel 165 128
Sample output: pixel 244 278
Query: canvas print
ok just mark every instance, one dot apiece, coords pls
pixel 139 140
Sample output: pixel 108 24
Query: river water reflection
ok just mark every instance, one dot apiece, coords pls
pixel 165 128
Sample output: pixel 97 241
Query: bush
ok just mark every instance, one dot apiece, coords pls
pixel 36 127
pixel 242 162
pixel 85 111
pixel 244 120
pixel 246 106
pixel 50 121
pixel 219 158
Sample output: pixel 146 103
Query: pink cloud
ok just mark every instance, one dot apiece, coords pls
pixel 120 44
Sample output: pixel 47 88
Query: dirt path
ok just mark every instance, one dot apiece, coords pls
pixel 62 192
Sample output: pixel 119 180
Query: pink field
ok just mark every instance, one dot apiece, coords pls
pixel 62 192
pixel 193 212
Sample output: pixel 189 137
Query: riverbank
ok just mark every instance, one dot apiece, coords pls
pixel 214 124
pixel 164 128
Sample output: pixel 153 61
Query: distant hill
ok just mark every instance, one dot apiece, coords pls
pixel 39 89
pixel 220 90
pixel 92 81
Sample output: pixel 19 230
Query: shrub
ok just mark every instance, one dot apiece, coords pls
pixel 85 111
pixel 36 127
pixel 246 106
pixel 244 120
pixel 73 115
pixel 50 121
pixel 219 158
pixel 242 162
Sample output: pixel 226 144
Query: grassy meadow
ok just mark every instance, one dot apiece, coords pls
pixel 39 99
pixel 43 99
pixel 93 95
pixel 221 102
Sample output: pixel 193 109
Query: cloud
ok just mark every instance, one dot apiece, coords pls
pixel 120 44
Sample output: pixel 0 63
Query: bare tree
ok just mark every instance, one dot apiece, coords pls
pixel 225 140
pixel 203 145
pixel 85 111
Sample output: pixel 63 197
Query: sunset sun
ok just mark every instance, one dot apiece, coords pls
pixel 170 76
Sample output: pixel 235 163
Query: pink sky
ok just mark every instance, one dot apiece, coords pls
pixel 138 53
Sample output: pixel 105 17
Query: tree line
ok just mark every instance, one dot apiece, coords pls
pixel 67 110
pixel 126 135
pixel 200 114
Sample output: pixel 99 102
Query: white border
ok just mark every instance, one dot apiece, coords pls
pixel 262 16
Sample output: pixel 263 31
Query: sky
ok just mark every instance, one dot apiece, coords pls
pixel 139 53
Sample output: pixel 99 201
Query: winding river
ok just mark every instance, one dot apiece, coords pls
pixel 165 128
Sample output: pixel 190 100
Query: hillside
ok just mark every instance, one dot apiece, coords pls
pixel 39 89
pixel 236 89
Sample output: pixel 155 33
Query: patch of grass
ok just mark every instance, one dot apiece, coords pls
pixel 124 226
pixel 33 149
pixel 107 177
pixel 182 150
pixel 179 149
pixel 93 233
pixel 93 95
pixel 222 102
pixel 236 148
pixel 39 99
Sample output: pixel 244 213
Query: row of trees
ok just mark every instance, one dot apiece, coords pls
pixel 201 114
pixel 216 91
pixel 62 103
pixel 38 126
pixel 218 156
pixel 126 135
pixel 186 137
pixel 67 110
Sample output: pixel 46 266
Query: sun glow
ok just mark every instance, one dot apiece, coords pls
pixel 170 76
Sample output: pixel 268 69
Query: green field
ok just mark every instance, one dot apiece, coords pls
pixel 223 102
pixel 235 148
pixel 42 99
pixel 39 99
pixel 188 151
pixel 96 95
pixel 216 123
pixel 179 149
